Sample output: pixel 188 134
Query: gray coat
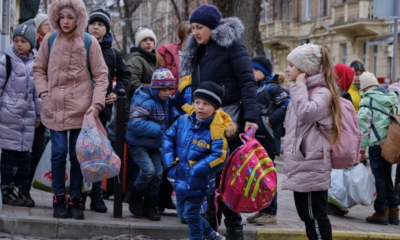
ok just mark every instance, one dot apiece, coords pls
pixel 20 105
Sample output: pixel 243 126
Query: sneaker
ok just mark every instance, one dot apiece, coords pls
pixel 393 216
pixel 266 219
pixel 378 218
pixel 10 198
pixel 219 237
pixel 253 217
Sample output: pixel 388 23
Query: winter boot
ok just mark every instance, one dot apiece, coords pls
pixel 128 192
pixel 26 197
pixel 150 208
pixel 251 218
pixel 60 206
pixel 75 207
pixel 84 197
pixel 234 232
pixel 10 198
pixel 136 202
pixel 394 216
pixel 97 203
pixel 378 218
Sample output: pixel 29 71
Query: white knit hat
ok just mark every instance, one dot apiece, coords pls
pixel 40 18
pixel 368 79
pixel 307 58
pixel 143 33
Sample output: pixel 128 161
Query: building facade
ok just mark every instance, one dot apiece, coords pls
pixel 347 28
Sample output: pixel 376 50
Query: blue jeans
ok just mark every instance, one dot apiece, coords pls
pixel 272 209
pixel 382 169
pixel 60 146
pixel 188 208
pixel 151 169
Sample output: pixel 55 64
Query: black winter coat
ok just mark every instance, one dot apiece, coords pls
pixel 225 61
pixel 116 68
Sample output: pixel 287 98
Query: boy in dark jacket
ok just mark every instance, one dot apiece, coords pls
pixel 194 148
pixel 99 27
pixel 148 120
pixel 273 101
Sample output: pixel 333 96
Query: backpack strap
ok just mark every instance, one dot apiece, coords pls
pixel 51 40
pixel 372 124
pixel 8 67
pixel 114 61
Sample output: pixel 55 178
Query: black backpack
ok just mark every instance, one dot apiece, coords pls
pixel 8 67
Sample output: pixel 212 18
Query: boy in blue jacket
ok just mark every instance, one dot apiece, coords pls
pixel 148 120
pixel 194 148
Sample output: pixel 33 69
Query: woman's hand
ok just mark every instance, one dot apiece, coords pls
pixel 250 125
pixel 111 98
pixel 302 78
pixel 93 110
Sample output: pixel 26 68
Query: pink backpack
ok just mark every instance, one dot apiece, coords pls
pixel 395 87
pixel 249 179
pixel 346 152
pixel 94 152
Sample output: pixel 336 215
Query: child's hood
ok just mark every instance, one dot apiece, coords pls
pixel 383 97
pixel 78 5
pixel 220 123
pixel 141 95
pixel 184 82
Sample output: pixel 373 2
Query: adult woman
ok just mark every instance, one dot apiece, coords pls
pixel 172 53
pixel 354 90
pixel 215 53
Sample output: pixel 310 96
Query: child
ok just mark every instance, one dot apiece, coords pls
pixel 354 89
pixel 19 115
pixel 194 148
pixel 43 27
pixel 375 122
pixel 183 95
pixel 273 101
pixel 99 27
pixel 307 174
pixel 63 81
pixel 148 120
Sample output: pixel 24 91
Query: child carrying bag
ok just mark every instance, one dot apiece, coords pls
pixel 94 152
pixel 249 179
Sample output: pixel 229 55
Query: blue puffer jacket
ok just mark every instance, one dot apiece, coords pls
pixel 19 105
pixel 182 96
pixel 194 151
pixel 147 119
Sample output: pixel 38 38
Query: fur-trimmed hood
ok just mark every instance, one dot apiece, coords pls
pixel 78 5
pixel 224 35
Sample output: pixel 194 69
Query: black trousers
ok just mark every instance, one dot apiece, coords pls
pixel 38 147
pixel 15 168
pixel 311 207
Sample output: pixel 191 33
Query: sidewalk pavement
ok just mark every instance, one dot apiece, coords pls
pixel 38 221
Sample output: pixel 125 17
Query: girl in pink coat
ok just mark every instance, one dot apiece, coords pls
pixel 307 174
pixel 63 81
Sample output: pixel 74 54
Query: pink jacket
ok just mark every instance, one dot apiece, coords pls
pixel 170 54
pixel 63 74
pixel 304 165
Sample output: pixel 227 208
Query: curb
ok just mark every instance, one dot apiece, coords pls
pixel 300 234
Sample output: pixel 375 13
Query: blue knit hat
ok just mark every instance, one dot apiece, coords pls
pixel 207 15
pixel 263 64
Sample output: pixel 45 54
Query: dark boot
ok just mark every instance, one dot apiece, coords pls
pixel 26 197
pixel 10 198
pixel 394 216
pixel 84 197
pixel 335 210
pixel 75 207
pixel 128 192
pixel 150 208
pixel 378 218
pixel 136 202
pixel 97 203
pixel 234 232
pixel 60 206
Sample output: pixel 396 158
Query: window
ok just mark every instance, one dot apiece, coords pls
pixel 342 1
pixel 390 28
pixel 324 8
pixel 286 9
pixel 343 48
pixel 364 52
pixel 306 10
pixel 375 59
pixel 389 67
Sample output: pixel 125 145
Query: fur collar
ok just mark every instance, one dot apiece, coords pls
pixel 224 35
pixel 78 5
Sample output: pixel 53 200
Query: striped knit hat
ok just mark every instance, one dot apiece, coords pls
pixel 162 78
pixel 307 58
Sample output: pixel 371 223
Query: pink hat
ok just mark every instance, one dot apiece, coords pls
pixel 70 10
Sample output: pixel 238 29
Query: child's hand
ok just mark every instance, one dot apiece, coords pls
pixel 37 124
pixel 94 110
pixel 111 98
pixel 302 78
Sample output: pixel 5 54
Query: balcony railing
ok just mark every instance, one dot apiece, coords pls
pixel 277 28
pixel 351 12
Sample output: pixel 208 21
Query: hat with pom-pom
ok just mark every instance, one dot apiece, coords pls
pixel 307 58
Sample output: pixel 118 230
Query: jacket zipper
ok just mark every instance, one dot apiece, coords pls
pixel 25 107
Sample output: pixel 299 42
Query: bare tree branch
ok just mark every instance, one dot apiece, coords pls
pixel 176 10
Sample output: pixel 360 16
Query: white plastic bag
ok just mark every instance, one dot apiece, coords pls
pixel 337 193
pixel 360 185
pixel 42 178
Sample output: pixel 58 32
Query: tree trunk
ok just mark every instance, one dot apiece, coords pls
pixel 249 13
pixel 259 48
